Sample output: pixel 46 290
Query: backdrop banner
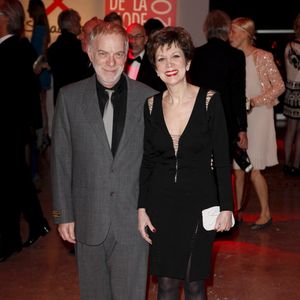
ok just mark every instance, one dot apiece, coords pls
pixel 130 10
pixel 55 7
pixel 138 11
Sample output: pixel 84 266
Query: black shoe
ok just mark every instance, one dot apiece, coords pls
pixel 291 171
pixel 255 226
pixel 35 235
pixel 6 252
pixel 294 171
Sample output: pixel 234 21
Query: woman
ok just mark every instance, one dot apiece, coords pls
pixel 291 107
pixel 263 85
pixel 40 40
pixel 177 181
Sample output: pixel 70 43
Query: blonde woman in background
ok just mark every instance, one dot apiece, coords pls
pixel 291 107
pixel 263 86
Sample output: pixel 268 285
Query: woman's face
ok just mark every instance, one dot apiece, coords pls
pixel 171 65
pixel 237 37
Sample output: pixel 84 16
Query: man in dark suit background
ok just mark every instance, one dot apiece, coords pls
pixel 20 102
pixel 97 148
pixel 68 62
pixel 138 66
pixel 219 66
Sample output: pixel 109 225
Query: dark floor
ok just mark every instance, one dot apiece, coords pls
pixel 247 265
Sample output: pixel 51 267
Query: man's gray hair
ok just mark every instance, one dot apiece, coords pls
pixel 67 19
pixel 105 28
pixel 217 25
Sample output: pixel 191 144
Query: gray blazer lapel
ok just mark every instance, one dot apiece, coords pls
pixel 133 115
pixel 90 107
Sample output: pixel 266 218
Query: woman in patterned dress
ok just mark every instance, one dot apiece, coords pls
pixel 263 86
pixel 291 107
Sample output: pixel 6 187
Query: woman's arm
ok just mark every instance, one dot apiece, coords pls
pixel 148 156
pixel 270 78
pixel 145 174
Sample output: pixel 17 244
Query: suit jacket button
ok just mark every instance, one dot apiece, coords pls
pixel 112 194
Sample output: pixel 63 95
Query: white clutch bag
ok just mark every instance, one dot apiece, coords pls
pixel 209 217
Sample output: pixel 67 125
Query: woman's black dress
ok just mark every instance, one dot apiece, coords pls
pixel 176 187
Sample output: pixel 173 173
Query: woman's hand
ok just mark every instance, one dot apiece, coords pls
pixel 252 103
pixel 224 221
pixel 143 223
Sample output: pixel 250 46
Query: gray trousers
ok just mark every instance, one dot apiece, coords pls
pixel 112 271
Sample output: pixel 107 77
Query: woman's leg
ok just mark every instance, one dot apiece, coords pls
pixel 43 97
pixel 239 178
pixel 45 138
pixel 261 188
pixel 288 140
pixel 168 288
pixel 296 163
pixel 194 290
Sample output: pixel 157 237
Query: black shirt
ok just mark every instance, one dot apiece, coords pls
pixel 119 101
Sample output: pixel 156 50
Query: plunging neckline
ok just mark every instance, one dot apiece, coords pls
pixel 186 125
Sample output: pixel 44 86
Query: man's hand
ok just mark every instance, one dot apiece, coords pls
pixel 243 140
pixel 67 232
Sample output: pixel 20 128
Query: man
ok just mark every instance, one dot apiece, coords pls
pixel 138 66
pixel 221 67
pixel 113 17
pixel 67 60
pixel 152 25
pixel 96 156
pixel 217 65
pixel 19 99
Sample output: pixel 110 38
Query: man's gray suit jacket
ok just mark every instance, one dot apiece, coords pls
pixel 90 187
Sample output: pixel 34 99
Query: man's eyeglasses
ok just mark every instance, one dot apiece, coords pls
pixel 135 37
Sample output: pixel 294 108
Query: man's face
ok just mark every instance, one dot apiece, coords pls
pixel 137 39
pixel 76 26
pixel 108 56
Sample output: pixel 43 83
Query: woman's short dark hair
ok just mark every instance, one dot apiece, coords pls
pixel 168 36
